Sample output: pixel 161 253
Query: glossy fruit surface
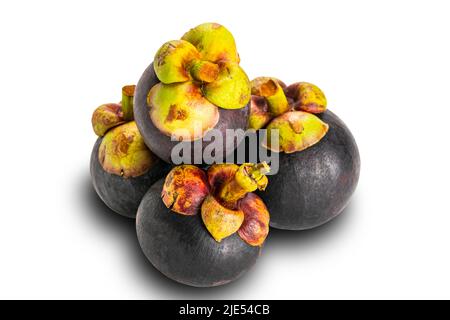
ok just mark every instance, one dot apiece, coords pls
pixel 181 247
pixel 123 195
pixel 314 185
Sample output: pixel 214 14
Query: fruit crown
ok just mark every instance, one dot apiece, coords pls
pixel 122 150
pixel 289 110
pixel 198 74
pixel 223 195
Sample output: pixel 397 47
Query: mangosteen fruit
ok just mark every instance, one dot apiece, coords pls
pixel 193 91
pixel 204 229
pixel 319 162
pixel 122 167
pixel 315 185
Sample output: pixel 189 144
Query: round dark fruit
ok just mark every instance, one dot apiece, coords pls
pixel 161 144
pixel 314 185
pixel 181 248
pixel 121 185
pixel 193 92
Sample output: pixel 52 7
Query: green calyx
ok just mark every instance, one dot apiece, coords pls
pixel 172 61
pixel 231 89
pixel 272 90
pixel 206 57
pixel 297 130
pixel 275 101
pixel 248 178
pixel 289 111
pixel 105 117
pixel 214 42
pixel 123 152
pixel 223 196
pixel 180 110
pixel 307 97
pixel 204 71
pixel 110 115
pixel 232 207
pixel 127 102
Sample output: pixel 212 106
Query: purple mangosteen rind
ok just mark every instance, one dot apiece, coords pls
pixel 120 194
pixel 160 143
pixel 315 185
pixel 181 248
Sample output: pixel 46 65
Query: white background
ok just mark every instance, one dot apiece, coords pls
pixel 384 66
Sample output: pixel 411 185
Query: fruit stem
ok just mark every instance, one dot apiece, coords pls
pixel 127 102
pixel 248 178
pixel 270 89
pixel 204 71
pixel 278 103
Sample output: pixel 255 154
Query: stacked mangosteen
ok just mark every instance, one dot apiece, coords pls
pixel 201 223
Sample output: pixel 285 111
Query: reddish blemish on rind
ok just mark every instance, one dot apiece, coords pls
pixel 255 228
pixel 184 190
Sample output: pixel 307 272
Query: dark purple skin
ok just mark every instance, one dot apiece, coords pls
pixel 183 250
pixel 123 195
pixel 314 185
pixel 159 143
